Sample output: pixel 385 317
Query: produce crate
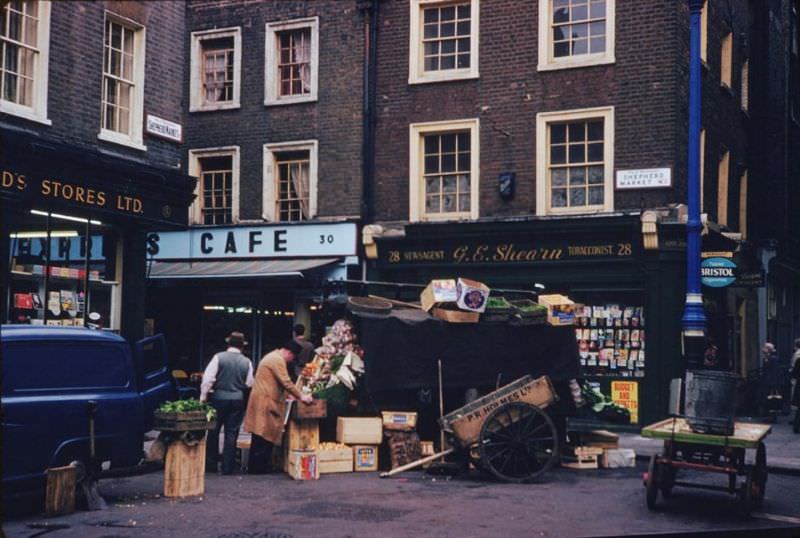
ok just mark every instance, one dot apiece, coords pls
pixel 315 410
pixel 303 435
pixel 338 459
pixel 560 309
pixel 399 420
pixel 181 422
pixel 456 316
pixel 303 465
pixel 582 457
pixel 365 457
pixel 359 430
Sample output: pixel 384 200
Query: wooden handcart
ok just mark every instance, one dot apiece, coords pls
pixel 687 450
pixel 507 432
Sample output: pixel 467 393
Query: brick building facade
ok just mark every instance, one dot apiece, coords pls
pixel 77 160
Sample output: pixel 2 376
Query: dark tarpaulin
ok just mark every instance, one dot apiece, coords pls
pixel 401 352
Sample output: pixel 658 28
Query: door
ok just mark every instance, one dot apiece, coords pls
pixel 157 384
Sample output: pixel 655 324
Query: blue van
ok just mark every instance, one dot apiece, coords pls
pixel 50 374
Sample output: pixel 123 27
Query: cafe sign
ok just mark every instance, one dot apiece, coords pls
pixel 270 241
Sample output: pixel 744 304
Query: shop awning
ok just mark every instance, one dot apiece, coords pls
pixel 236 269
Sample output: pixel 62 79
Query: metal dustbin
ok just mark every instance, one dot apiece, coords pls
pixel 710 401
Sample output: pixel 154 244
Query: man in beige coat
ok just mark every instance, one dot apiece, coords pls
pixel 267 405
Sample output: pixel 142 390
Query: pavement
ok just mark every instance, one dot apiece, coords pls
pixel 783 446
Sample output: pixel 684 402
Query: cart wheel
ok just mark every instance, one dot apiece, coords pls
pixel 760 474
pixel 652 483
pixel 746 492
pixel 667 480
pixel 518 442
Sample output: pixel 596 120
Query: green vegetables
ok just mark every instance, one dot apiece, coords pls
pixel 186 406
pixel 497 303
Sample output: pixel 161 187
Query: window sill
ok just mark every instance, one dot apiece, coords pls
pixel 116 138
pixel 214 108
pixel 312 98
pixel 23 112
pixel 443 76
pixel 574 63
pixel 586 210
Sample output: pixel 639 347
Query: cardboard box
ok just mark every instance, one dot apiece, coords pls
pixel 561 309
pixel 472 295
pixel 302 465
pixel 438 292
pixel 335 460
pixel 359 430
pixel 456 316
pixel 399 420
pixel 614 458
pixel 426 448
pixel 302 434
pixel 365 457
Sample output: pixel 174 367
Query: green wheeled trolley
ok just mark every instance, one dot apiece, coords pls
pixel 685 449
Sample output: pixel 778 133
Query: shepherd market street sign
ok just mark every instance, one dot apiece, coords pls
pixel 292 241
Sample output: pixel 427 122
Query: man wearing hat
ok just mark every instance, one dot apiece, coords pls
pixel 267 405
pixel 225 380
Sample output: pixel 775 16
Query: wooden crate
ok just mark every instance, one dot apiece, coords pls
pixel 185 469
pixel 582 457
pixel 303 465
pixel 315 410
pixel 456 316
pixel 335 460
pixel 60 496
pixel 302 434
pixel 399 420
pixel 365 457
pixel 359 430
pixel 181 422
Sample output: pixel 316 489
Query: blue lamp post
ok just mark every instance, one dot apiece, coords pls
pixel 694 319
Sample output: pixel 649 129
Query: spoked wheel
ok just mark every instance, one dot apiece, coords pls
pixel 746 493
pixel 760 474
pixel 518 442
pixel 652 483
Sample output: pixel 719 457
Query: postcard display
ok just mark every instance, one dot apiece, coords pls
pixel 611 340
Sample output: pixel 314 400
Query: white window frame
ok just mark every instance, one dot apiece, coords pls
pixel 744 90
pixel 704 34
pixel 416 199
pixel 196 95
pixel 543 151
pixel 271 79
pixel 38 111
pixel 195 211
pixel 416 64
pixel 135 139
pixel 723 179
pixel 548 62
pixel 269 178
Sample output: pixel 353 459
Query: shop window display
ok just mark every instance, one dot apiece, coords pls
pixel 611 340
pixel 57 277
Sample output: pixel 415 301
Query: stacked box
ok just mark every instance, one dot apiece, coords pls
pixel 359 430
pixel 335 459
pixel 365 457
pixel 303 465
pixel 399 420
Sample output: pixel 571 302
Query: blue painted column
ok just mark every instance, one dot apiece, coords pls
pixel 694 318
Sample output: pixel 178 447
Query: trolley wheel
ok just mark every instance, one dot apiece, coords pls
pixel 746 492
pixel 652 483
pixel 667 480
pixel 518 442
pixel 760 474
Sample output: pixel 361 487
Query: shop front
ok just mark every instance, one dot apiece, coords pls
pixel 261 280
pixel 73 228
pixel 631 297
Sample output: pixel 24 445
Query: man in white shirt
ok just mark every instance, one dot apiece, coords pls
pixel 225 380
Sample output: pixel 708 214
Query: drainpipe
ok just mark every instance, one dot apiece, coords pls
pixel 370 11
